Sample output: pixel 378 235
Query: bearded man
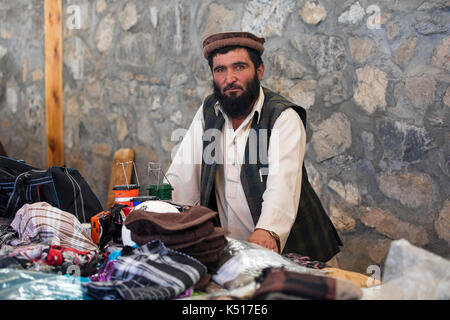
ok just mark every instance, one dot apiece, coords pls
pixel 243 157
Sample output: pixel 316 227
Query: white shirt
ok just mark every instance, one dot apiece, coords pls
pixel 285 159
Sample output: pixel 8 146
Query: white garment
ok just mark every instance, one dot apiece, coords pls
pixel 285 159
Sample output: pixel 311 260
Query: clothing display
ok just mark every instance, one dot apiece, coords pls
pixel 191 232
pixel 178 255
pixel 40 256
pixel 51 226
pixel 149 272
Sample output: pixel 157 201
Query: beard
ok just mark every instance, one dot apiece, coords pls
pixel 235 106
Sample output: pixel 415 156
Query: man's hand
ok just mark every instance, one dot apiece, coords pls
pixel 263 238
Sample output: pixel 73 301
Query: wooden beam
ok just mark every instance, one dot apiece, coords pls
pixel 53 82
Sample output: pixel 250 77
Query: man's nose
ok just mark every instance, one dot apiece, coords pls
pixel 230 77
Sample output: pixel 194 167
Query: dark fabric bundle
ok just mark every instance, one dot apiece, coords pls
pixel 277 282
pixel 191 232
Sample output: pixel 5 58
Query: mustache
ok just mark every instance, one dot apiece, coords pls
pixel 232 86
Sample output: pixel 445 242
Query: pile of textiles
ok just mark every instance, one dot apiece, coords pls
pixel 191 232
pixel 280 284
pixel 147 272
pixel 42 237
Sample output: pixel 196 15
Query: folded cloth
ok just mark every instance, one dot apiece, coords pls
pixel 191 232
pixel 149 272
pixel 168 222
pixel 210 256
pixel 304 286
pixel 209 242
pixel 51 226
pixel 140 236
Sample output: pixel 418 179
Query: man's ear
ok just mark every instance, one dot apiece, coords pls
pixel 260 71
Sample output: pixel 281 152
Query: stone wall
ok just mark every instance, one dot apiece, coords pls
pixel 373 75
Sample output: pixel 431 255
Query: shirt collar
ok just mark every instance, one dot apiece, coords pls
pixel 257 107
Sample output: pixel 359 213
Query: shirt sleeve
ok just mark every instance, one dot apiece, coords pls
pixel 185 169
pixel 285 156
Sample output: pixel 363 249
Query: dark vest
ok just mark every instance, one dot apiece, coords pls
pixel 313 233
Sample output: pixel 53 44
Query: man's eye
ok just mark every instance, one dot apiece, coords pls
pixel 240 67
pixel 219 69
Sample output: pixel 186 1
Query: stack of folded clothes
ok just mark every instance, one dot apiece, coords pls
pixel 191 232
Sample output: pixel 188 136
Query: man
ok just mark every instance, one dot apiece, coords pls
pixel 243 156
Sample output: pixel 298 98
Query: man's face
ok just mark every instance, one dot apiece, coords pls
pixel 236 82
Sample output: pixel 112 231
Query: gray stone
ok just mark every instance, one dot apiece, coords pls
pixel 446 98
pixel 105 33
pixel 349 192
pixel 393 29
pixel 100 6
pixel 303 93
pixel 312 13
pixel 3 52
pixel 12 96
pixel 102 149
pixel 432 24
pixel 434 4
pixel 266 18
pixel 369 146
pixel 442 223
pixel 117 91
pixel 405 52
pixel 5 34
pixel 74 51
pixel 136 49
pixel 341 220
pixel 421 90
pixel 219 20
pixel 362 49
pixel 402 141
pixel 380 249
pixel 121 128
pixel 353 15
pixel 334 88
pixel 128 17
pixel 392 227
pixel 33 110
pixel 154 16
pixel 416 143
pixel 371 91
pixel 285 68
pixel 327 53
pixel 413 190
pixel 332 137
pixel 441 56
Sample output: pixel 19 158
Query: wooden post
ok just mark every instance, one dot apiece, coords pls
pixel 53 82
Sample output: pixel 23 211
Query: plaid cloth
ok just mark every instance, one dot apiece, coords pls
pixel 150 272
pixel 51 226
pixel 7 233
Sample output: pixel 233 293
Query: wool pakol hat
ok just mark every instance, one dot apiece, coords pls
pixel 225 39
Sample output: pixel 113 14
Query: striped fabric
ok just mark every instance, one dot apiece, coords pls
pixel 49 225
pixel 150 272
